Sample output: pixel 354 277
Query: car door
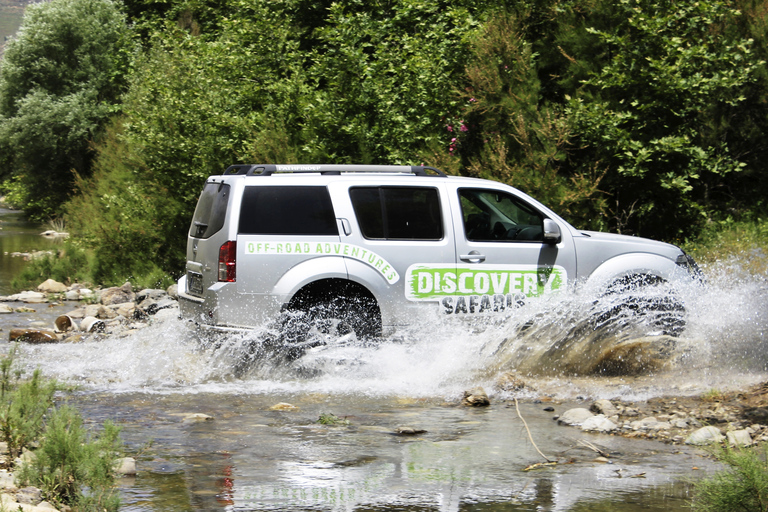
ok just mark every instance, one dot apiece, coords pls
pixel 502 259
pixel 387 226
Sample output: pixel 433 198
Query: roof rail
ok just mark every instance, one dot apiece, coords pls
pixel 270 169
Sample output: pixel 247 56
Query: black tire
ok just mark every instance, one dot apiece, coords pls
pixel 645 300
pixel 327 311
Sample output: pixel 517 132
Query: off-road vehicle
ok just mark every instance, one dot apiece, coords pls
pixel 372 248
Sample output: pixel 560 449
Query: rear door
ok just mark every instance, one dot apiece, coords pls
pixel 389 226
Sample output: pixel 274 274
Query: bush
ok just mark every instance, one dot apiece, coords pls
pixel 72 264
pixel 70 468
pixel 23 405
pixel 743 486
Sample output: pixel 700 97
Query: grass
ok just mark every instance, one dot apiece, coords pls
pixel 745 241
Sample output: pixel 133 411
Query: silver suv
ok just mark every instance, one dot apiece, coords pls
pixel 371 248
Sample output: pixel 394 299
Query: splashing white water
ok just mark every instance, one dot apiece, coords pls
pixel 551 344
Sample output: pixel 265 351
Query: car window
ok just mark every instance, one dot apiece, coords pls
pixel 493 216
pixel 398 213
pixel 210 211
pixel 287 211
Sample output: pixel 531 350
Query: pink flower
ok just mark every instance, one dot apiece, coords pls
pixel 463 128
pixel 449 128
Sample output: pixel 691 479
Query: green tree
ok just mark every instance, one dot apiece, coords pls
pixel 60 79
pixel 653 113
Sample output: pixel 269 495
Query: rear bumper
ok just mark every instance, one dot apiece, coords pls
pixel 223 309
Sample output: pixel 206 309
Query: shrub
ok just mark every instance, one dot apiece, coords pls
pixel 742 486
pixel 70 468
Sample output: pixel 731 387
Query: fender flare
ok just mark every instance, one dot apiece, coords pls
pixel 633 264
pixel 315 269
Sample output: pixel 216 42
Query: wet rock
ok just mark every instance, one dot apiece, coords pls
pixel 575 416
pixel 166 314
pixel 125 309
pixel 739 438
pixel 598 423
pixel 509 381
pixel 604 407
pixel 650 423
pixel 33 336
pixel 72 295
pixel 5 309
pixel 173 291
pixel 476 397
pixel 704 436
pixel 151 294
pixel 51 286
pixel 125 466
pixel 283 406
pixel 30 297
pixel 196 417
pixel 409 431
pixel 118 295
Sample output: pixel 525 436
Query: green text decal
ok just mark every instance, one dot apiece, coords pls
pixel 326 249
pixel 434 282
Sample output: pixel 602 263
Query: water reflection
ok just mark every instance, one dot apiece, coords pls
pixel 18 235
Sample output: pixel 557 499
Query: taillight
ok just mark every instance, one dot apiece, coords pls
pixel 227 262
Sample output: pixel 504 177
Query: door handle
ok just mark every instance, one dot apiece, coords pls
pixel 473 257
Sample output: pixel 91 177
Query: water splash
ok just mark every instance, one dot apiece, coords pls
pixel 559 345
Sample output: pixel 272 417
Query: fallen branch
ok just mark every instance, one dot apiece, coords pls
pixel 594 448
pixel 550 462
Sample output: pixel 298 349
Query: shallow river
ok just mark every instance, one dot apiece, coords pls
pixel 249 457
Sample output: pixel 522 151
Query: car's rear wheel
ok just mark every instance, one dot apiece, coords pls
pixel 326 311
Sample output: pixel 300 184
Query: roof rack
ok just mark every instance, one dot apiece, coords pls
pixel 270 169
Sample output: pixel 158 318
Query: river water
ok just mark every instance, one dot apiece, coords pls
pixel 251 457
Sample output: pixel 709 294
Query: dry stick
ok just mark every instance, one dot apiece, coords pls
pixel 517 408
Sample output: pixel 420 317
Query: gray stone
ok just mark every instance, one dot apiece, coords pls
pixel 704 436
pixel 31 495
pixel 51 286
pixel 598 423
pixel 125 466
pixel 476 397
pixel 575 416
pixel 4 309
pixel 650 423
pixel 604 407
pixel 739 438
pixel 118 295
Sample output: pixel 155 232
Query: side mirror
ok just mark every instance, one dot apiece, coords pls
pixel 552 233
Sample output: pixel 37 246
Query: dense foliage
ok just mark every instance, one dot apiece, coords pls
pixel 60 79
pixel 637 116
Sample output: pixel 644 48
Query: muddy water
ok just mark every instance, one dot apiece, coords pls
pixel 249 457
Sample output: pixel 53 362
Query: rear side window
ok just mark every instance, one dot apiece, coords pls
pixel 210 211
pixel 287 211
pixel 398 213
